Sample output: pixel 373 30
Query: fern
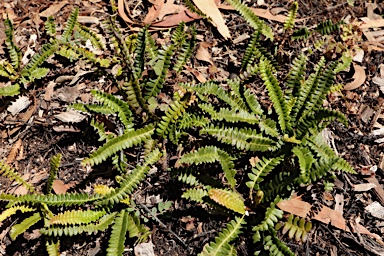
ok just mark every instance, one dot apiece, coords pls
pixel 10 173
pixel 296 227
pixel 251 18
pixel 111 147
pixel 54 167
pixel 140 53
pixel 20 228
pixel 327 27
pixel 290 21
pixel 229 199
pixel 301 33
pixel 87 34
pixel 53 248
pixel 68 30
pixel 185 51
pixel 221 246
pixel 275 246
pixel 117 238
pixel 13 50
pixel 50 26
pixel 9 212
pixel 75 217
pixel 195 194
pixel 249 52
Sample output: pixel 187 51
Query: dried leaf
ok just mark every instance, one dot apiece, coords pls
pixel 19 105
pixel 182 14
pixel 88 19
pixel 202 52
pixel 371 24
pixel 121 10
pixel 358 78
pixel 363 187
pixel 339 203
pixel 376 210
pixel 14 150
pixel 211 10
pixel 154 12
pixel 54 8
pixel 60 188
pixel 197 74
pixel 70 116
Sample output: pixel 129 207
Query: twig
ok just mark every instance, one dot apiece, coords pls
pixel 161 223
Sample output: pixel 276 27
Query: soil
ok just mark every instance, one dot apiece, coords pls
pixel 42 136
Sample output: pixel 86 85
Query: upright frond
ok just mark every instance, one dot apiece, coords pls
pixel 54 167
pixel 118 235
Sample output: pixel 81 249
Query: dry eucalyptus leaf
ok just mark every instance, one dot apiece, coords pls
pixel 358 78
pixel 211 10
pixel 202 52
pixel 54 8
pixel 376 210
pixel 19 105
pixel 364 187
pixel 88 19
pixel 154 12
pixel 60 187
pixel 70 116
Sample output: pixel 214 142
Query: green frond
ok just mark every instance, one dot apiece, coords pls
pixel 269 127
pixel 149 146
pixel 133 92
pixel 251 18
pixel 320 169
pixel 54 167
pixel 297 228
pixel 111 147
pixel 319 147
pixel 211 87
pixel 229 199
pixel 51 199
pixel 21 227
pixel 153 86
pixel 263 167
pixel 99 127
pixel 10 90
pixel 75 217
pixel 296 75
pixel 252 102
pixel 53 248
pixel 210 154
pixel 275 246
pixel 344 63
pixel 243 138
pixel 305 90
pixel 87 55
pixel 131 42
pixel 188 176
pixel 87 34
pixel 7 70
pixel 10 211
pixel 135 229
pixel 174 112
pixel 290 21
pixel 46 51
pixel 150 47
pixel 10 173
pixel 195 194
pixel 281 183
pixel 305 157
pixel 66 52
pixel 131 181
pixel 186 51
pixel 102 189
pixel 139 59
pixel 69 27
pixel 262 54
pixel 249 52
pixel 191 6
pixel 301 33
pixel 13 51
pixel 272 216
pixel 178 35
pixel 119 106
pixel 232 116
pixel 276 95
pixel 188 121
pixel 327 27
pixel 101 225
pixel 344 166
pixel 221 246
pixel 251 71
pixel 117 238
pixel 50 26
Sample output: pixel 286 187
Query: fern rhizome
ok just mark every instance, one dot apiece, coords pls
pixel 275 146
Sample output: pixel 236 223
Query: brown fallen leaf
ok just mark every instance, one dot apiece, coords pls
pixel 211 10
pixel 339 203
pixel 378 190
pixel 14 151
pixel 121 11
pixel 54 8
pixel 71 116
pixel 183 14
pixel 197 74
pixel 202 52
pixel 371 24
pixel 60 187
pixel 154 12
pixel 363 187
pixel 358 78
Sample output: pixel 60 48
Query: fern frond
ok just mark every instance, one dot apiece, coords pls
pixel 280 184
pixel 195 194
pixel 88 56
pixel 290 21
pixel 117 238
pixel 179 36
pixel 153 86
pixel 9 212
pixel 53 248
pixel 10 173
pixel 229 199
pixel 275 246
pixel 252 102
pixel 138 62
pixel 191 6
pixel 13 50
pixel 251 18
pixel 21 227
pixel 111 147
pixel 276 95
pixel 327 27
pixel 131 181
pixel 301 33
pixel 50 26
pixel 344 166
pixel 186 51
pixel 296 75
pixel 119 106
pixel 232 116
pixel 54 167
pixel 133 92
pixel 101 225
pixel 210 154
pixel 263 167
pixel 221 246
pixel 246 60
pixel 75 217
pixel 188 176
pixel 150 47
pixel 244 138
pixel 272 216
pixel 70 26
pixel 135 229
pixel 174 112
pixel 344 63
pixel 189 121
pixel 269 127
pixel 10 90
pixel 297 227
pixel 305 158
pixel 51 199
pixel 88 34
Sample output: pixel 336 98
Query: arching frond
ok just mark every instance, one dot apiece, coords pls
pixel 229 199
pixel 10 173
pixel 21 227
pixel 75 217
pixel 290 21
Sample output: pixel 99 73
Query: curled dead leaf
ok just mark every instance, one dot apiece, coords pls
pixel 358 78
pixel 202 52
